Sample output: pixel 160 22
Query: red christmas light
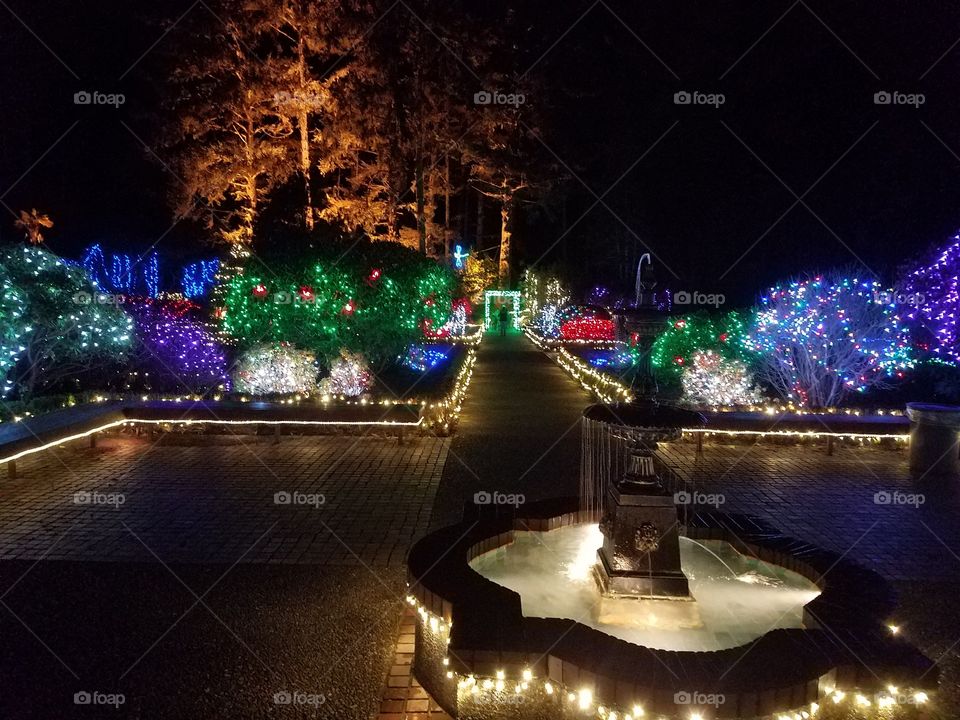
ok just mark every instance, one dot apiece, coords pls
pixel 260 291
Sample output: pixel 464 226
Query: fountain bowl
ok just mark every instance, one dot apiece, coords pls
pixel 480 658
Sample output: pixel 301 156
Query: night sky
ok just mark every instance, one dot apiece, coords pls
pixel 798 81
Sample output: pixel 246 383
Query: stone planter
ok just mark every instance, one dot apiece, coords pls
pixel 934 439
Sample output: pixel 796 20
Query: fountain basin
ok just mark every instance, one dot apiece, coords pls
pixel 479 656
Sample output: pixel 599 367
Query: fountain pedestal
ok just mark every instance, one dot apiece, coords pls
pixel 640 557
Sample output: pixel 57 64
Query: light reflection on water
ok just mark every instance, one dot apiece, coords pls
pixel 737 598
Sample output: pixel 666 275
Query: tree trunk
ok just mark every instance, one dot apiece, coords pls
pixel 421 214
pixel 447 231
pixel 303 121
pixel 504 271
pixel 479 220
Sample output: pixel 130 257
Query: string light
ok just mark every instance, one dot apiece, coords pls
pixel 682 337
pixel 581 322
pixel 606 388
pixel 378 310
pixel 499 296
pixel 932 294
pixel 123 274
pixel 180 346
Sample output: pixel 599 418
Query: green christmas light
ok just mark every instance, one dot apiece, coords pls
pixel 55 322
pixel 374 302
pixel 674 349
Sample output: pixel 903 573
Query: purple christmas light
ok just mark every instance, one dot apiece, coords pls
pixel 179 348
pixel 934 292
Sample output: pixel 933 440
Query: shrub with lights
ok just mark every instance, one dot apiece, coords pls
pixel 714 380
pixel 540 289
pixel 376 299
pixel 349 376
pixel 54 326
pixel 820 339
pixel 276 369
pixel 685 336
pixel 931 294
pixel 174 351
pixel 585 322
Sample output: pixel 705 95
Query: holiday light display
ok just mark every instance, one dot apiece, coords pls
pixel 377 302
pixel 583 322
pixel 674 349
pixel 12 325
pixel 714 380
pixel 459 257
pixel 57 324
pixel 199 277
pixel 494 299
pixel 932 293
pixel 541 289
pixel 422 358
pixel 822 338
pixel 350 376
pixel 276 369
pixel 123 274
pixel 181 349
pixel 547 321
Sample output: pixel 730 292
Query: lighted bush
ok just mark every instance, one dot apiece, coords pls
pixel 376 299
pixel 711 379
pixel 54 326
pixel 279 369
pixel 174 351
pixel 349 376
pixel 685 336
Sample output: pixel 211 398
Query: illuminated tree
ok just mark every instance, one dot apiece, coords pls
pixel 822 338
pixel 230 146
pixel 684 336
pixel 479 274
pixel 33 224
pixel 58 327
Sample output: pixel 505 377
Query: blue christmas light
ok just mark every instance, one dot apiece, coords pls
pixel 123 274
pixel 421 359
pixel 199 277
pixel 459 257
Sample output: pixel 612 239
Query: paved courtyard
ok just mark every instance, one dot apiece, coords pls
pixel 314 500
pixel 859 501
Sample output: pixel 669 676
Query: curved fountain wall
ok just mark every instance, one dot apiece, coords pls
pixel 470 627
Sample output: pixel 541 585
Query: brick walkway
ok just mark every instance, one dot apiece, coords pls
pixel 831 501
pixel 351 501
pixel 403 697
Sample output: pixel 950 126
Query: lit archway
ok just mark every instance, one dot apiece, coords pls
pixel 512 296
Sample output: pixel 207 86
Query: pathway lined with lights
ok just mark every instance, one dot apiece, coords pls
pixel 519 430
pixel 519 435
